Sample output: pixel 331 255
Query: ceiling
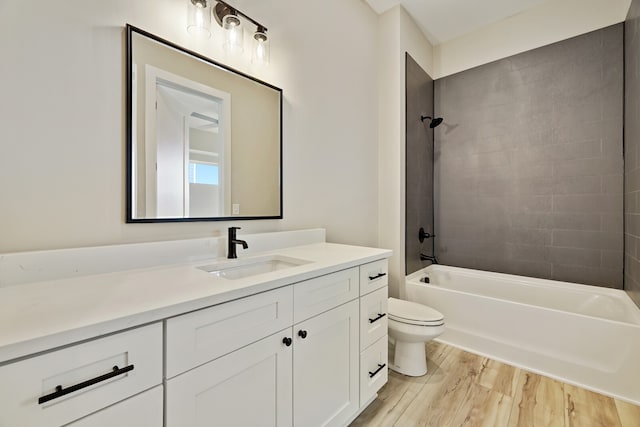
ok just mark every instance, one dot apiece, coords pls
pixel 442 20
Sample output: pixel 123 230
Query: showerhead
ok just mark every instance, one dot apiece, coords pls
pixel 434 121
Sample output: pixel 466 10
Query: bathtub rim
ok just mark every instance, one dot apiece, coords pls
pixel 634 310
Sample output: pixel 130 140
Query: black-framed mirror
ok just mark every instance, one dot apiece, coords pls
pixel 204 141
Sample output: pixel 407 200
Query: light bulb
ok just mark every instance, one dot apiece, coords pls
pixel 234 35
pixel 199 18
pixel 260 53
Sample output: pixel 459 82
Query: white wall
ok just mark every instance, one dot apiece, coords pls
pixel 541 25
pixel 62 155
pixel 398 34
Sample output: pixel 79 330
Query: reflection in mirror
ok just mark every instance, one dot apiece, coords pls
pixel 204 141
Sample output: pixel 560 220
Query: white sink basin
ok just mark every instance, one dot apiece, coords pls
pixel 245 267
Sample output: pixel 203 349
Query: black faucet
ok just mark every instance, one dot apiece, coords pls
pixel 233 241
pixel 431 258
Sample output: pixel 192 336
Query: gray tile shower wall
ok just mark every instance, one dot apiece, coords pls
pixel 632 153
pixel 529 166
pixel 419 164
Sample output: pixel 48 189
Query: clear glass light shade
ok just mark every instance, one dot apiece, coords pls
pixel 199 18
pixel 234 34
pixel 260 54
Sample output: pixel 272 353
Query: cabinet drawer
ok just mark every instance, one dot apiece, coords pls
pixel 196 338
pixel 323 293
pixel 373 317
pixel 142 410
pixel 373 369
pixel 137 354
pixel 373 276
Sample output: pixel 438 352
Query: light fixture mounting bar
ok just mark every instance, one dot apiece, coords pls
pixel 244 15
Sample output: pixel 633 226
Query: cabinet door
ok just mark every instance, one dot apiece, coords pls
pixel 325 367
pixel 144 409
pixel 250 387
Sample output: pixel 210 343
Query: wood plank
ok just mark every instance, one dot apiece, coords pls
pixel 438 402
pixel 629 414
pixel 437 352
pixel 392 400
pixel 483 407
pixel 538 401
pixel 455 357
pixel 588 409
pixel 499 377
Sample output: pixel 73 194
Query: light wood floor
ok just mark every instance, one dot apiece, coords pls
pixel 463 389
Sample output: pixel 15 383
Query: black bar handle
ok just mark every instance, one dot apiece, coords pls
pixel 60 391
pixel 380 316
pixel 380 367
pixel 377 276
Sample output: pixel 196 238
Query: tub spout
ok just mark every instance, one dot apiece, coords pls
pixel 431 258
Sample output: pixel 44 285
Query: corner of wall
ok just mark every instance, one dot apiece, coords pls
pixel 560 19
pixel 397 33
pixel 413 41
pixel 631 147
pixel 388 130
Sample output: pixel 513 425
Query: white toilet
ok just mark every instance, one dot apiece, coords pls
pixel 411 325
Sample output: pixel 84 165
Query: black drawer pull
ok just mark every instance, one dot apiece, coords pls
pixel 287 341
pixel 302 334
pixel 63 391
pixel 377 276
pixel 380 367
pixel 380 316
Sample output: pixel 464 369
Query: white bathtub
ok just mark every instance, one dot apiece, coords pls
pixel 583 335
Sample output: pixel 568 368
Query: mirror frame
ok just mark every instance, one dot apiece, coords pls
pixel 130 29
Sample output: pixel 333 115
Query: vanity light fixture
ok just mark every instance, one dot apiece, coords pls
pixel 199 18
pixel 228 18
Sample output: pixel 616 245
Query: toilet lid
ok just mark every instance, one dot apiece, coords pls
pixel 414 313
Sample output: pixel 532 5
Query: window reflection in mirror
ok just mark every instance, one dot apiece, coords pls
pixel 204 141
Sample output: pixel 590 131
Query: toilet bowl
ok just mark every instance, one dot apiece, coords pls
pixel 411 325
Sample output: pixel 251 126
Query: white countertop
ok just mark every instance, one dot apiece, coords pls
pixel 35 317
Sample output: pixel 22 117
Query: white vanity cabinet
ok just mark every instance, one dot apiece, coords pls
pixel 177 347
pixel 287 357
